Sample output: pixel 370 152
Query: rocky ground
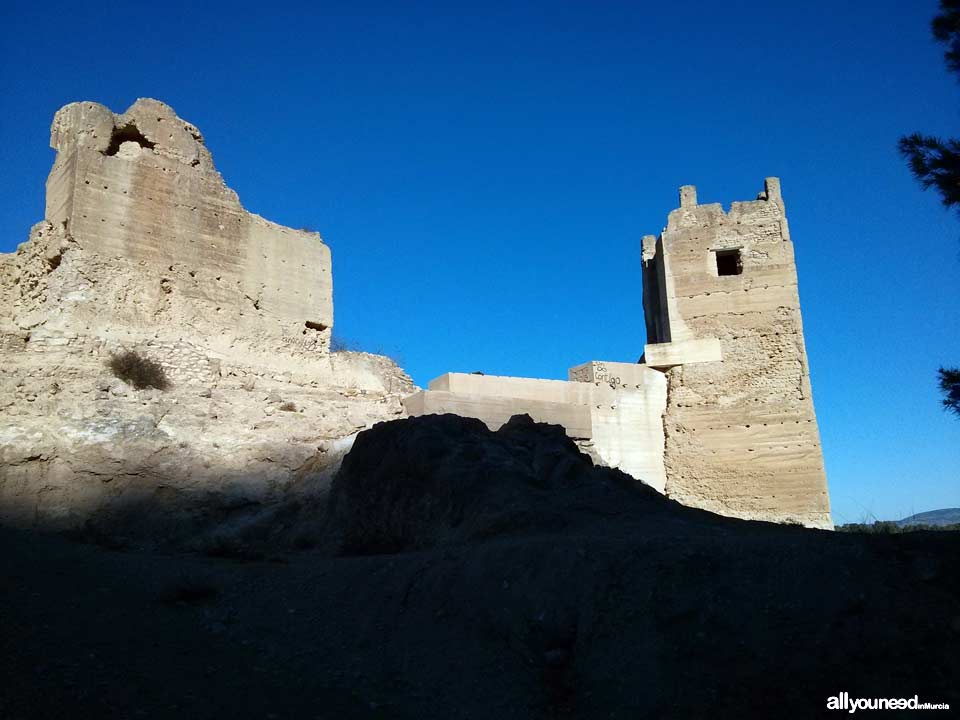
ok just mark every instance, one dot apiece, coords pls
pixel 448 571
pixel 251 400
pixel 79 446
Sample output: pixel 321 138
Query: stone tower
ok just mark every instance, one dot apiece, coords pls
pixel 723 321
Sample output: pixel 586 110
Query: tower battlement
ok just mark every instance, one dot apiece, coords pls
pixel 722 308
pixel 718 414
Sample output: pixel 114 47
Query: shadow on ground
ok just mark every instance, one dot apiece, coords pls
pixel 452 572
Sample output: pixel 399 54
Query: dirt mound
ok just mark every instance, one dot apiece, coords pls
pixel 468 574
pixel 443 479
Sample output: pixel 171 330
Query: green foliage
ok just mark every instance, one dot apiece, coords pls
pixel 933 161
pixel 138 371
pixel 885 527
pixel 950 387
pixel 936 163
pixel 874 528
pixel 946 29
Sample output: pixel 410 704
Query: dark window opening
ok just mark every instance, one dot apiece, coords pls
pixel 729 262
pixel 319 327
pixel 128 133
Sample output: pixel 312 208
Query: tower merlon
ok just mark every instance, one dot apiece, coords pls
pixel 771 190
pixel 722 310
pixel 648 248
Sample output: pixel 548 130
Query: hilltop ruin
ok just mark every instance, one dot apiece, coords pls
pixel 718 413
pixel 141 187
pixel 146 253
pixel 145 250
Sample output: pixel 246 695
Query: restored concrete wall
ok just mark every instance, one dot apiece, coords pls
pixel 627 406
pixel 496 410
pixel 613 410
pixel 741 433
pixel 142 186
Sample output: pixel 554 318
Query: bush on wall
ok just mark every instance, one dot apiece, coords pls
pixel 138 371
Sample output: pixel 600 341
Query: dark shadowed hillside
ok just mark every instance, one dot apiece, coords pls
pixel 461 573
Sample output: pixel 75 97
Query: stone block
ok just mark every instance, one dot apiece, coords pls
pixel 682 352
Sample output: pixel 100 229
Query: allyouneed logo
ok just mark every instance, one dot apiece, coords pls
pixel 843 701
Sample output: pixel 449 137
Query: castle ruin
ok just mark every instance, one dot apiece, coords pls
pixel 142 186
pixel 144 248
pixel 718 413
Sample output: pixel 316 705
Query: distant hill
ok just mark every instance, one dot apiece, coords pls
pixel 946 516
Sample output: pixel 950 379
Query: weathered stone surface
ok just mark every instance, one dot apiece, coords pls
pixel 719 413
pixel 682 352
pixel 141 187
pixel 741 433
pixel 145 249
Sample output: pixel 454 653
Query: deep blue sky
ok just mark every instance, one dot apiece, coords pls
pixel 484 172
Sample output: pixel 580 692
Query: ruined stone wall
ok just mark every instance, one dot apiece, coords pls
pixel 741 433
pixel 142 186
pixel 144 249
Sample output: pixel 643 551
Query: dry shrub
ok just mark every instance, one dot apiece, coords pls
pixel 138 371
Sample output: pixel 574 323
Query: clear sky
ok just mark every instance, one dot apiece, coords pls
pixel 483 173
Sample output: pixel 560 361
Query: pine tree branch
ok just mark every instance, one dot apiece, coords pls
pixel 935 163
pixel 946 29
pixel 950 387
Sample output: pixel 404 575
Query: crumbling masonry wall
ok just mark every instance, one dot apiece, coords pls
pixel 144 249
pixel 142 186
pixel 723 318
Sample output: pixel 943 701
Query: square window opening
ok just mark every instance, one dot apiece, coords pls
pixel 729 262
